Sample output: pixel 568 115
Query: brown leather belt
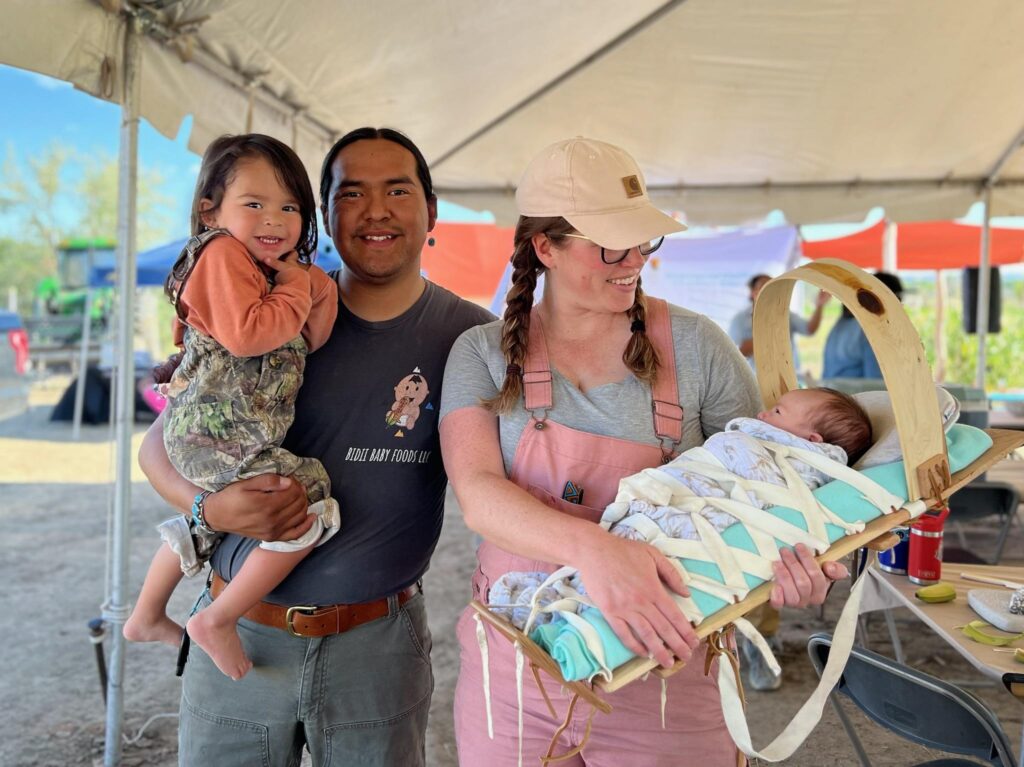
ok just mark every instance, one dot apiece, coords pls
pixel 312 621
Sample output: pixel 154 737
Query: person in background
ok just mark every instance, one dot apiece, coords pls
pixel 848 353
pixel 741 329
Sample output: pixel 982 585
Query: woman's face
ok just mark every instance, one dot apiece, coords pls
pixel 582 279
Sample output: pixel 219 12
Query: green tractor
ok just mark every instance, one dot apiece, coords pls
pixel 64 295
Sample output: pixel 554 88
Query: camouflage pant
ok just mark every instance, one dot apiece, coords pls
pixel 226 416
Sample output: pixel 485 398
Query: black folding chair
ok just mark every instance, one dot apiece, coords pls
pixel 916 706
pixel 977 500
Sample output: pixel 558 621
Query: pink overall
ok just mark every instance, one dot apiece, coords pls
pixel 548 456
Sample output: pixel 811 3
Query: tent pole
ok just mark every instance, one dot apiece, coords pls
pixel 83 364
pixel 890 247
pixel 940 325
pixel 116 608
pixel 984 287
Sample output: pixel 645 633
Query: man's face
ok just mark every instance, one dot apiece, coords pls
pixel 376 211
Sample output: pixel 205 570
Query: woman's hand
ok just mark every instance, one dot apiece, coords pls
pixel 268 507
pixel 627 581
pixel 800 581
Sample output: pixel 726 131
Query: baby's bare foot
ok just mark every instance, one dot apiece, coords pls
pixel 146 628
pixel 220 641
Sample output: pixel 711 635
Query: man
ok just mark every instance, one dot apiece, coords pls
pixel 848 352
pixel 741 329
pixel 341 649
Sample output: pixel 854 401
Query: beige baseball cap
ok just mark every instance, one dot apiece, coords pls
pixel 596 187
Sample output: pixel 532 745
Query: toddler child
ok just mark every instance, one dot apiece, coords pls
pixel 250 307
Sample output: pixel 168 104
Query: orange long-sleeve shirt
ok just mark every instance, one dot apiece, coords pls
pixel 227 298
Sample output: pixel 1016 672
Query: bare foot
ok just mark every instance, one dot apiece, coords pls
pixel 221 643
pixel 157 628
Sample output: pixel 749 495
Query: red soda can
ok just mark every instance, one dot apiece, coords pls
pixel 924 564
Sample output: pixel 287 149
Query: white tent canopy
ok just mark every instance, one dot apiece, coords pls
pixel 822 108
pixel 733 108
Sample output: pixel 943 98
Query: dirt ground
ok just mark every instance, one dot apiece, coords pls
pixel 53 526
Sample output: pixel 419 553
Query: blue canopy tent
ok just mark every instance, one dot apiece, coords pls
pixel 153 265
pixel 152 268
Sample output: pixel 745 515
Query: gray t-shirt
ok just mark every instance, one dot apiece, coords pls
pixel 715 385
pixel 742 328
pixel 368 409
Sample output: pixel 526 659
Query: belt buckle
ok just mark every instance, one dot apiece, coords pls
pixel 289 616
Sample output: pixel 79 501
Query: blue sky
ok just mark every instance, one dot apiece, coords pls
pixel 42 111
pixel 39 111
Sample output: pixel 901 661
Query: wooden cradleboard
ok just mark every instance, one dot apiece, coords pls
pixel 902 360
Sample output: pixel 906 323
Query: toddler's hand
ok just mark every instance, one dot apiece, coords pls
pixel 289 260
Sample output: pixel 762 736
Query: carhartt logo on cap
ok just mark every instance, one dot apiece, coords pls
pixel 633 188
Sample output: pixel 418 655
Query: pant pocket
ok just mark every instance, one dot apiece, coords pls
pixel 400 742
pixel 205 738
pixel 415 621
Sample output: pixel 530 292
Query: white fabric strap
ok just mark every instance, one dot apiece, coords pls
pixel 805 720
pixel 747 629
pixel 481 640
pixel 664 700
pixel 519 699
pixel 560 575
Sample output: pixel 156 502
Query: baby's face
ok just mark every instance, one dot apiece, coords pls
pixel 796 412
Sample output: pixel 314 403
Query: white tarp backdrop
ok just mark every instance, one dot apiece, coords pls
pixel 707 274
pixel 822 108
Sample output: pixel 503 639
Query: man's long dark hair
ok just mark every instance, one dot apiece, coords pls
pixel 363 134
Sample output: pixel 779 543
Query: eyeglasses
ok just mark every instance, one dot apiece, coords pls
pixel 615 256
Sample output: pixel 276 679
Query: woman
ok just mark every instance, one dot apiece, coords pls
pixel 543 413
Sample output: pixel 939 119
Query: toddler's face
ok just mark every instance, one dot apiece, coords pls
pixel 796 412
pixel 259 210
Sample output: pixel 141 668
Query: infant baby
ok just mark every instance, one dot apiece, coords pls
pixel 822 420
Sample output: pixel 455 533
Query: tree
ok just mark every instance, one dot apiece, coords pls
pixel 97 193
pixel 34 202
pixel 60 194
pixel 22 266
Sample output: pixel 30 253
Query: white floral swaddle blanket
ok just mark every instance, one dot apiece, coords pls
pixel 739 452
pixel 737 448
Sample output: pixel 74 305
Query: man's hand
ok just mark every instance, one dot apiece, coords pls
pixel 268 507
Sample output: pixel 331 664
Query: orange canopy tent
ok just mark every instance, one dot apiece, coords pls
pixel 468 259
pixel 924 245
pixel 863 249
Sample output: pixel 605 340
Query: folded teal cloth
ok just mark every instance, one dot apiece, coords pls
pixel 563 642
